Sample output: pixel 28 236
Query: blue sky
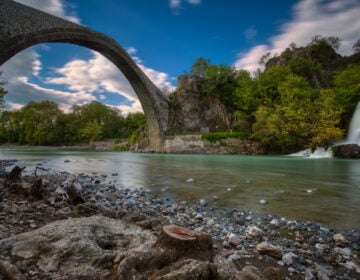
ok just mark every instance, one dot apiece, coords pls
pixel 165 37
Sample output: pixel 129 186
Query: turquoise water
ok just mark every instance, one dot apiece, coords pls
pixel 324 190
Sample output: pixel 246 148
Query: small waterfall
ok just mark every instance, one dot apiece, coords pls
pixel 353 137
pixel 354 128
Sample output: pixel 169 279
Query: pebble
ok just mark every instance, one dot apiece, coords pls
pixel 307 245
pixel 288 258
pixel 203 202
pixel 234 257
pixel 254 232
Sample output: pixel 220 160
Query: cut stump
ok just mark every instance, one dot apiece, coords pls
pixel 180 242
pixel 173 245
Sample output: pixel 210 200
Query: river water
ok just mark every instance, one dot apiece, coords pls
pixel 324 190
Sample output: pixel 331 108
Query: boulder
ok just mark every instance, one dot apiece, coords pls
pixel 346 151
pixel 78 247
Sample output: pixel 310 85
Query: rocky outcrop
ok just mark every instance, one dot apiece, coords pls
pixel 192 111
pixel 346 151
pixel 195 144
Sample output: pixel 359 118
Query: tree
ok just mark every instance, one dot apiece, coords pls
pixel 108 118
pixel 39 122
pixel 326 118
pixel 333 42
pixel 200 66
pixel 356 46
pixel 92 131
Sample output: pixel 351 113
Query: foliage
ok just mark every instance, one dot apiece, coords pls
pixel 92 131
pixel 305 97
pixel 200 66
pixel 217 136
pixel 43 123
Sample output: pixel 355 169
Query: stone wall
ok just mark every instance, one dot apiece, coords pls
pixel 194 144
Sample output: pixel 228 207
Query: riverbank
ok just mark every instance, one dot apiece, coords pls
pixel 294 249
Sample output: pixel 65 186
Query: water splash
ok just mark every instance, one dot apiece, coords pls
pixel 319 152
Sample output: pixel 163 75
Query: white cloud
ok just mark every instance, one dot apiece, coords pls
pixel 18 71
pixel 53 7
pixel 99 75
pixel 176 5
pixel 338 18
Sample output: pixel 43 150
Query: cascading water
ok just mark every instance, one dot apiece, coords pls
pixel 354 128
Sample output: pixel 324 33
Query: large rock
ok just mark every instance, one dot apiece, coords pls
pixel 78 247
pixel 347 151
pixel 266 248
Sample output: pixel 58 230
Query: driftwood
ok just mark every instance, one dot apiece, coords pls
pixel 40 168
pixel 174 245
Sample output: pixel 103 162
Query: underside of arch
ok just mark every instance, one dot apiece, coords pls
pixel 22 27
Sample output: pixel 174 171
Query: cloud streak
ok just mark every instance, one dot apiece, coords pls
pixel 338 18
pixel 176 5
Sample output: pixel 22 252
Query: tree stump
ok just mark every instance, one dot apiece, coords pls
pixel 180 242
pixel 173 245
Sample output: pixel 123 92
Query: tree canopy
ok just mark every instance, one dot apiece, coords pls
pixel 43 123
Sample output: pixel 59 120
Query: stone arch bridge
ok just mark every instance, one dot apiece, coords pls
pixel 22 27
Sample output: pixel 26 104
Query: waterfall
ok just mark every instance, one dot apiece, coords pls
pixel 354 128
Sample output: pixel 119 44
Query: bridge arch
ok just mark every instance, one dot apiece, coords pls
pixel 22 27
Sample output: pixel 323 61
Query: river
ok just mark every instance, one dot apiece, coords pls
pixel 323 190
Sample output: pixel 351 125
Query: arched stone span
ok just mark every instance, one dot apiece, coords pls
pixel 22 27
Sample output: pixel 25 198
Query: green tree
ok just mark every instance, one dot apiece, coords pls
pixel 92 131
pixel 199 67
pixel 347 91
pixel 356 46
pixel 39 122
pixel 283 124
pixel 325 122
pixel 108 118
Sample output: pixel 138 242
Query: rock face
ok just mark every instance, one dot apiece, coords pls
pixel 347 151
pixel 193 112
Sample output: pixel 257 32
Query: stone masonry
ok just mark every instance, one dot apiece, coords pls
pixel 22 27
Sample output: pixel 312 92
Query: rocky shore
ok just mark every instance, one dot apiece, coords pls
pixel 56 225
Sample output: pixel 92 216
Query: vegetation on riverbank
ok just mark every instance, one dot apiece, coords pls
pixel 43 123
pixel 305 96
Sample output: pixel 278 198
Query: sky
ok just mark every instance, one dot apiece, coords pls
pixel 165 37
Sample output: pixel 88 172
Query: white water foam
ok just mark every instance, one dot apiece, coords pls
pixel 319 152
